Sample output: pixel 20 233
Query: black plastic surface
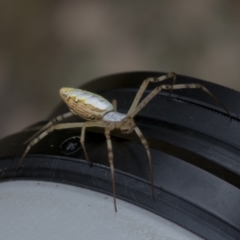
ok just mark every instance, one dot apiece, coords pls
pixel 194 144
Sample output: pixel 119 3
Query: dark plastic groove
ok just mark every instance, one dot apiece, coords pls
pixel 194 144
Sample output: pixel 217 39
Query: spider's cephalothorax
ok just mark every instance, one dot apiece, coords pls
pixel 101 113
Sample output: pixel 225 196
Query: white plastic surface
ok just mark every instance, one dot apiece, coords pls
pixel 44 210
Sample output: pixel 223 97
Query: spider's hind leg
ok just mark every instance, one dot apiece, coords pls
pixel 44 134
pixel 35 140
pixel 49 124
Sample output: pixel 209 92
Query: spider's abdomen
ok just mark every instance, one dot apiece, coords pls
pixel 85 104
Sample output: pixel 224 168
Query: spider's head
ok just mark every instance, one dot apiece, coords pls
pixel 127 126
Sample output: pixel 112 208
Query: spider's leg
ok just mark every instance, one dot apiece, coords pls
pixel 44 134
pixel 144 86
pixel 174 76
pixel 145 144
pixel 111 163
pixel 82 138
pixel 146 100
pixel 109 147
pixel 114 103
pixel 200 86
pixel 49 124
pixel 156 90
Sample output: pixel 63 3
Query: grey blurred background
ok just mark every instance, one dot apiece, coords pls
pixel 45 45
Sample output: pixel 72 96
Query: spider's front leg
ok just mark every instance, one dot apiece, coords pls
pixel 144 86
pixel 156 90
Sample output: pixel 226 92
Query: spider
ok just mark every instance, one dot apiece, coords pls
pixel 101 113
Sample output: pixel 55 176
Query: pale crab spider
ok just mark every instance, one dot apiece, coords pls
pixel 101 113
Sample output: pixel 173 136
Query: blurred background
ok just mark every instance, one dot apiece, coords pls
pixel 45 45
